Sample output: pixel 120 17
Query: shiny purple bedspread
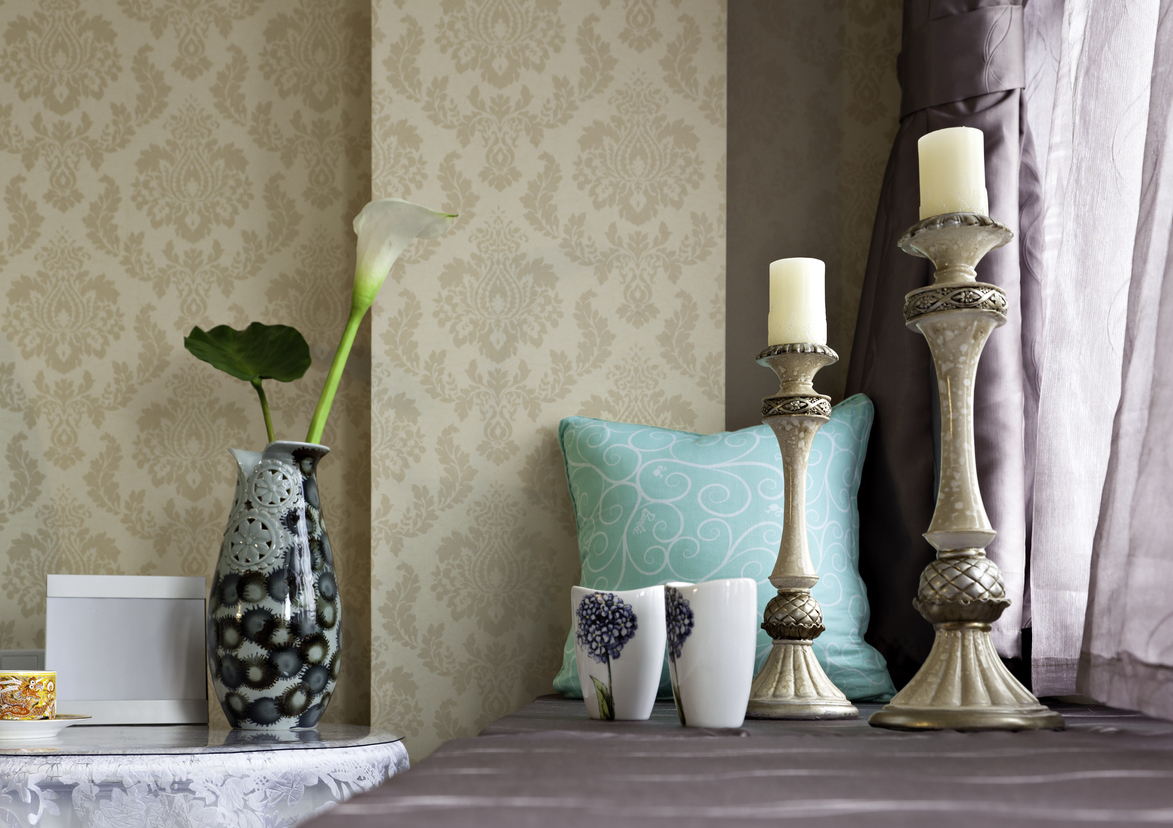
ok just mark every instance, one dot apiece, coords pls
pixel 549 765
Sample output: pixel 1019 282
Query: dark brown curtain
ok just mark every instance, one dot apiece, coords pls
pixel 961 64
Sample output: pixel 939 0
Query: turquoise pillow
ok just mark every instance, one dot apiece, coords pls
pixel 654 505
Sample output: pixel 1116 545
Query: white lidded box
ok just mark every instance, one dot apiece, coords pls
pixel 128 649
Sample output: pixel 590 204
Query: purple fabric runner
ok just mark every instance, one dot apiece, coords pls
pixel 550 765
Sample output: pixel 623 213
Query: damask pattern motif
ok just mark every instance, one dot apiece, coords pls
pixel 58 145
pixel 190 24
pixel 495 571
pixel 59 54
pixel 638 161
pixel 499 298
pixel 182 428
pixel 329 58
pixel 75 312
pixel 500 38
pixel 195 180
pixel 604 123
pixel 171 163
pixel 499 121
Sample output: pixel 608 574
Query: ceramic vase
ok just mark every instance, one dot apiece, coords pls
pixel 274 612
pixel 712 641
pixel 619 649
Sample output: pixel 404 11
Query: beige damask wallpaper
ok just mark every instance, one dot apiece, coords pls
pixel 166 164
pixel 583 145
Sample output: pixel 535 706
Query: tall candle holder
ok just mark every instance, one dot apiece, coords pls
pixel 792 684
pixel 963 685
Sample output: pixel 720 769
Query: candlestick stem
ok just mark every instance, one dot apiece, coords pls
pixel 792 684
pixel 962 685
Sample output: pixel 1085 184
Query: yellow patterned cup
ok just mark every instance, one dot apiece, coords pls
pixel 28 694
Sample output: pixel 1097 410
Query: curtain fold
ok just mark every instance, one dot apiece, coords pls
pixel 961 65
pixel 1127 655
pixel 1102 58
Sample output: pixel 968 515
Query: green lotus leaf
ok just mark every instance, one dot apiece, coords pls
pixel 257 353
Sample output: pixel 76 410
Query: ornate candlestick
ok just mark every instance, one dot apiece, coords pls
pixel 962 685
pixel 792 684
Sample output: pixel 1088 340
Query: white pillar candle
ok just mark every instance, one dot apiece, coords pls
pixel 798 308
pixel 953 172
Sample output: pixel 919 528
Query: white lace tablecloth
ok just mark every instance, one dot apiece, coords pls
pixel 121 777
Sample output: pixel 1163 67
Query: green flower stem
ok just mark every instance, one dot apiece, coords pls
pixel 265 408
pixel 318 423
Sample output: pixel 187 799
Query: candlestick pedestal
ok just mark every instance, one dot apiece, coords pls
pixel 963 685
pixel 792 684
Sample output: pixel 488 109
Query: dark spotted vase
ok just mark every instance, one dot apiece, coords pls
pixel 274 610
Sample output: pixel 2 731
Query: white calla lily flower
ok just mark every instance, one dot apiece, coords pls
pixel 384 230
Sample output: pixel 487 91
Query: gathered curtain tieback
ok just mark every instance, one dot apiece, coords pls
pixel 962 56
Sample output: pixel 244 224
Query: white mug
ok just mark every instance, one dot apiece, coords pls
pixel 619 649
pixel 712 630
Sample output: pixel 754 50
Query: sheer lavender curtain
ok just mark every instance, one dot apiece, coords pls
pixel 1091 67
pixel 1127 657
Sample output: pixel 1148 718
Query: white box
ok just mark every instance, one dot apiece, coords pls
pixel 128 649
pixel 22 659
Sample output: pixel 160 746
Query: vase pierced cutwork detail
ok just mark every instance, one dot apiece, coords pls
pixel 273 487
pixel 253 541
pixel 977 296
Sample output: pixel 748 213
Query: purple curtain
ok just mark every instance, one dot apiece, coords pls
pixel 961 64
pixel 1075 98
pixel 1094 72
pixel 1127 655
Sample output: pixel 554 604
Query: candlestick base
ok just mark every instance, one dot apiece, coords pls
pixel 792 684
pixel 963 685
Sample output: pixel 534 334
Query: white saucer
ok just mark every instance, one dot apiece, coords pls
pixel 12 730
